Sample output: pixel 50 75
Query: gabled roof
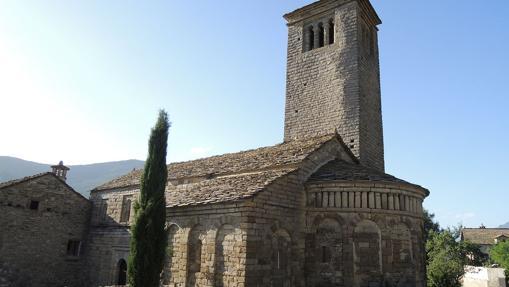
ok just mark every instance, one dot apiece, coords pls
pixel 230 177
pixel 484 236
pixel 23 179
pixel 10 183
pixel 280 156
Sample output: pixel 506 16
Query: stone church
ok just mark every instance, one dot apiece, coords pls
pixel 316 210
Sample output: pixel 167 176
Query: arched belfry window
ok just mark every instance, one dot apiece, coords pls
pixel 318 34
pixel 321 34
pixel 330 33
pixel 310 38
pixel 122 272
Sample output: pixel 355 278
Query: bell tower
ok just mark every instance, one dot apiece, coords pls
pixel 333 76
pixel 60 170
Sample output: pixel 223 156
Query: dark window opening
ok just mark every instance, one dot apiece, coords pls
pixel 311 38
pixel 321 32
pixel 74 248
pixel 281 254
pixel 34 204
pixel 122 272
pixel 331 31
pixel 326 255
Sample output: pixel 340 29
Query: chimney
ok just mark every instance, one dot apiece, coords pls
pixel 60 170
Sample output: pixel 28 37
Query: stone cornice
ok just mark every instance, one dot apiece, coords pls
pixel 323 6
pixel 370 185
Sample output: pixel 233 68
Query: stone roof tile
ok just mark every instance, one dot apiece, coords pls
pixel 222 189
pixel 342 170
pixel 35 176
pixel 339 170
pixel 265 158
pixel 23 179
pixel 484 236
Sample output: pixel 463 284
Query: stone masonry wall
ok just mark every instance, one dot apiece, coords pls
pixel 333 87
pixel 34 242
pixel 108 241
pixel 206 246
pixel 276 224
pixel 381 234
pixel 294 233
pixel 371 151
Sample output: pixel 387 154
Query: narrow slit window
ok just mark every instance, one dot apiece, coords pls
pixel 74 248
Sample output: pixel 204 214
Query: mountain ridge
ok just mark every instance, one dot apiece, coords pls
pixel 82 178
pixel 506 225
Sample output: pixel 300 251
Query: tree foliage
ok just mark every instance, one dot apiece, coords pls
pixel 445 262
pixel 500 255
pixel 446 255
pixel 430 224
pixel 149 238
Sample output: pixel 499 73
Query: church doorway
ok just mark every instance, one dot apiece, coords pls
pixel 122 272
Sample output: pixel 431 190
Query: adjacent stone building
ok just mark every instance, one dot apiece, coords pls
pixel 485 237
pixel 315 210
pixel 43 227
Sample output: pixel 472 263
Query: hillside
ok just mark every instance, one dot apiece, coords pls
pixel 82 178
pixel 504 225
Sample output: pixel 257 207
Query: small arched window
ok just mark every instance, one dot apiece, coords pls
pixel 330 33
pixel 310 38
pixel 321 34
pixel 122 272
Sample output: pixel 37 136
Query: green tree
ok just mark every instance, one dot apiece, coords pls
pixel 445 261
pixel 447 256
pixel 430 224
pixel 472 254
pixel 149 238
pixel 500 255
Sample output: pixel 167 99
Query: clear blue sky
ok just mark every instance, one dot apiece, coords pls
pixel 82 81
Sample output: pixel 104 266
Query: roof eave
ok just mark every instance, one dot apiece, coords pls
pixel 322 6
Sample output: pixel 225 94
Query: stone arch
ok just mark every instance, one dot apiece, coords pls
pixel 324 253
pixel 170 266
pixel 402 251
pixel 367 254
pixel 121 272
pixel 403 271
pixel 281 258
pixel 195 244
pixel 227 256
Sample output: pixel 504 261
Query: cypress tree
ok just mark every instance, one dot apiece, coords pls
pixel 149 238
